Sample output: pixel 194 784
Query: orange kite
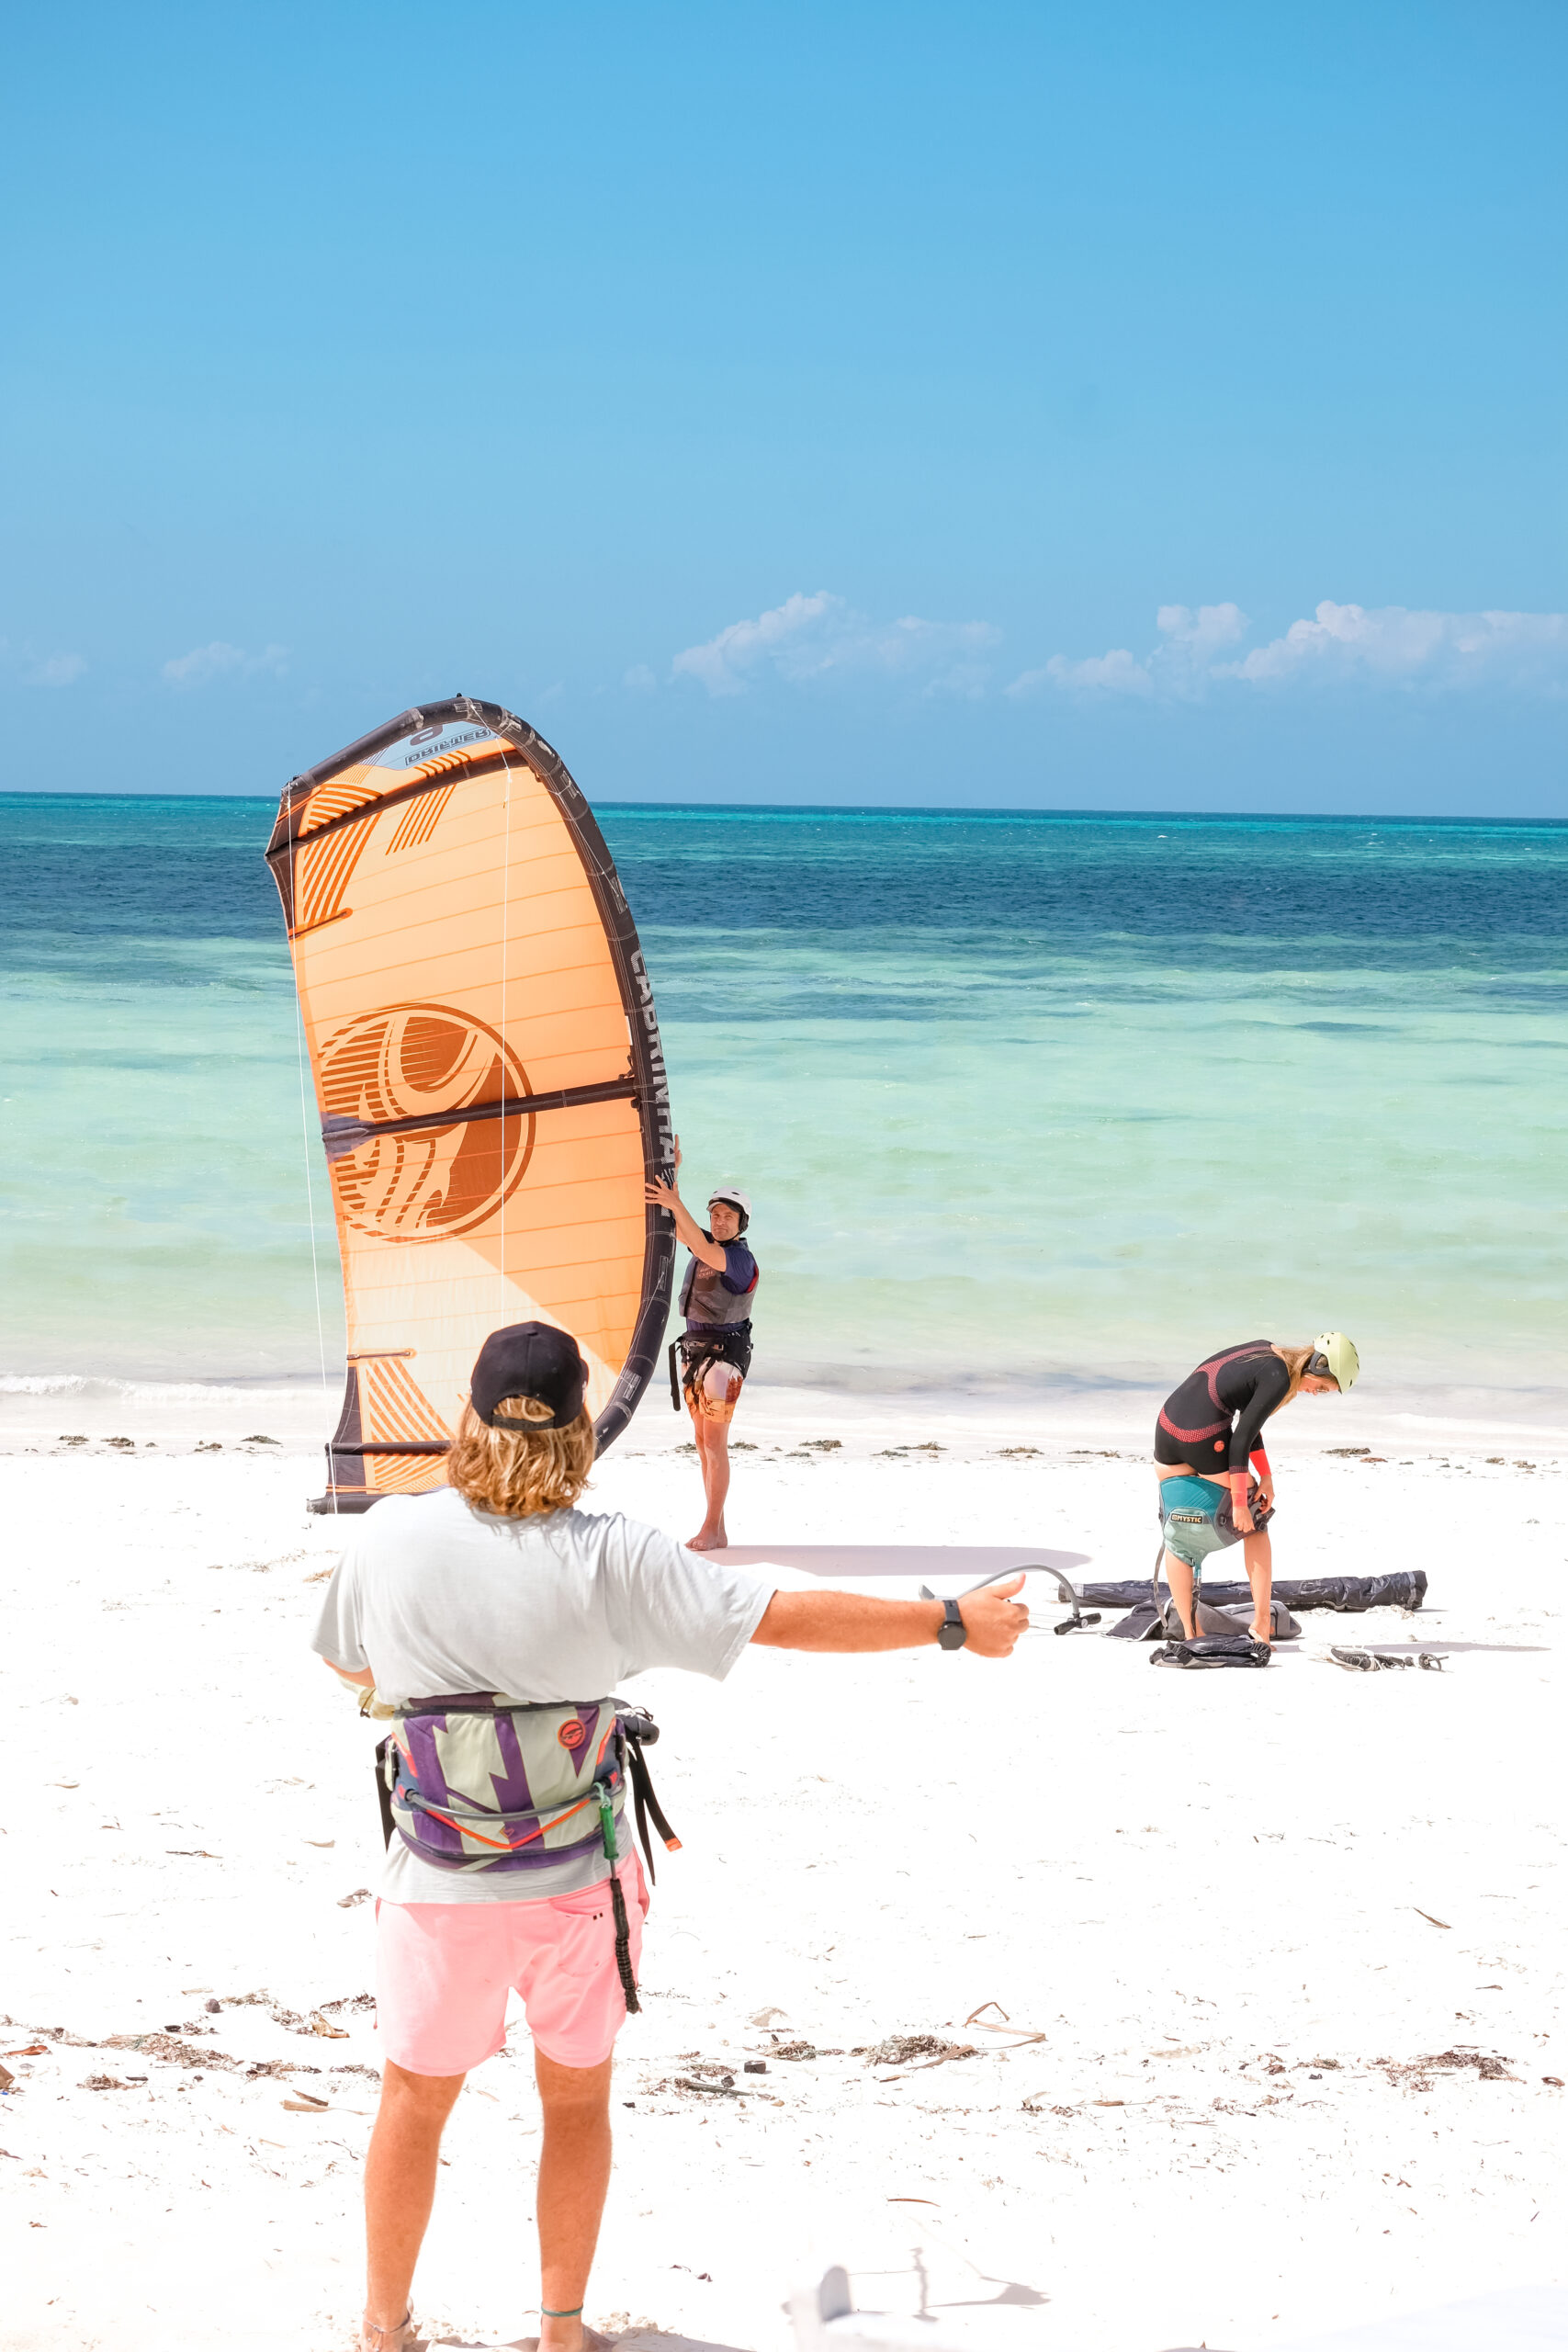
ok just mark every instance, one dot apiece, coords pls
pixel 492 1087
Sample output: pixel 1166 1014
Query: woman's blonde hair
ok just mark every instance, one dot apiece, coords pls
pixel 1295 1360
pixel 519 1473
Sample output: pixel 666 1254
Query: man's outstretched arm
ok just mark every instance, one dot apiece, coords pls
pixel 853 1621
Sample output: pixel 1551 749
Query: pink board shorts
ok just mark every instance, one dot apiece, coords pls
pixel 444 1970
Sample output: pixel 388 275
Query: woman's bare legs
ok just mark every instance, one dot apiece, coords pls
pixel 1258 1554
pixel 1179 1577
pixel 721 1386
pixel 574 2174
pixel 400 2188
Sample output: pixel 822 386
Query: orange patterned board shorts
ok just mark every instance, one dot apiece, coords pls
pixel 705 1407
pixel 704 1372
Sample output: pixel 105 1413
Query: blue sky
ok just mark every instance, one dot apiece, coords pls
pixel 1126 406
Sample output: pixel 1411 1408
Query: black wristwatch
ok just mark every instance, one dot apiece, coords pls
pixel 954 1632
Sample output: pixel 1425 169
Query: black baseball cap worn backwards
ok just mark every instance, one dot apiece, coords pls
pixel 529 1360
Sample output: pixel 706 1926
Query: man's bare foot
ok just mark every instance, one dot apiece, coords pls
pixel 588 2339
pixel 708 1539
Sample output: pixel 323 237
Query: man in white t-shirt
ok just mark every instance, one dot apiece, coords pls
pixel 496 1587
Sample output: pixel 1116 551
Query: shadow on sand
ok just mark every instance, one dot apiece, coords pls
pixel 637 2339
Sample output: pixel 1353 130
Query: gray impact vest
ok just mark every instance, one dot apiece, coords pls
pixel 704 1300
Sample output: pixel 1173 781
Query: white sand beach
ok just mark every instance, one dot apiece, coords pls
pixel 1279 1955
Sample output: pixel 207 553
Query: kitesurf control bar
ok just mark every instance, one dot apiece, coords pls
pixel 1076 1623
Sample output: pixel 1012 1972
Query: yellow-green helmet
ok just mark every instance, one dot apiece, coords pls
pixel 1332 1353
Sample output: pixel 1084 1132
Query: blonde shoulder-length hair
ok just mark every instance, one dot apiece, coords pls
pixel 1295 1360
pixel 518 1472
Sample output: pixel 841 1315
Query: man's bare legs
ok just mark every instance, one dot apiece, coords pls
pixel 574 2174
pixel 399 2189
pixel 1258 1554
pixel 721 1386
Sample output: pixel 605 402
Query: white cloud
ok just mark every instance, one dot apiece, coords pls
pixel 1192 638
pixel 821 636
pixel 1403 648
pixel 639 679
pixel 1388 645
pixel 54 669
pixel 204 662
pixel 1116 672
pixel 40 669
pixel 1179 665
pixel 783 636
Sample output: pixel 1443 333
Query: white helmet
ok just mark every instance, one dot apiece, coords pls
pixel 1334 1355
pixel 737 1199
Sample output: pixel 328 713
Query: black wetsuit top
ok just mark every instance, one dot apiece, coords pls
pixel 1214 1418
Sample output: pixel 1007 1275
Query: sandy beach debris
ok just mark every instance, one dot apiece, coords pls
pixel 915 2051
pixel 1417 2072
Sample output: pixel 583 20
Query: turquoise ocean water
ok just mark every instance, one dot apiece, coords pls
pixel 1024 1101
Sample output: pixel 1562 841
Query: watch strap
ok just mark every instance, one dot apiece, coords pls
pixel 953 1633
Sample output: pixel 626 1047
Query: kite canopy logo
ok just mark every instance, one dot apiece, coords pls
pixel 406 1065
pixel 488 1070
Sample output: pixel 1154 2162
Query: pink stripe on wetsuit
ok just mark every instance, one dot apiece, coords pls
pixel 1236 1389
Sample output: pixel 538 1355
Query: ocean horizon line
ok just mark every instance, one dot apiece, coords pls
pixel 875 809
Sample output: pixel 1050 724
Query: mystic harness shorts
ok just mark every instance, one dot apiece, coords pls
pixel 1189 1512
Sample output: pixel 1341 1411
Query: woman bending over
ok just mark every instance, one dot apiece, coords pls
pixel 1209 1447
